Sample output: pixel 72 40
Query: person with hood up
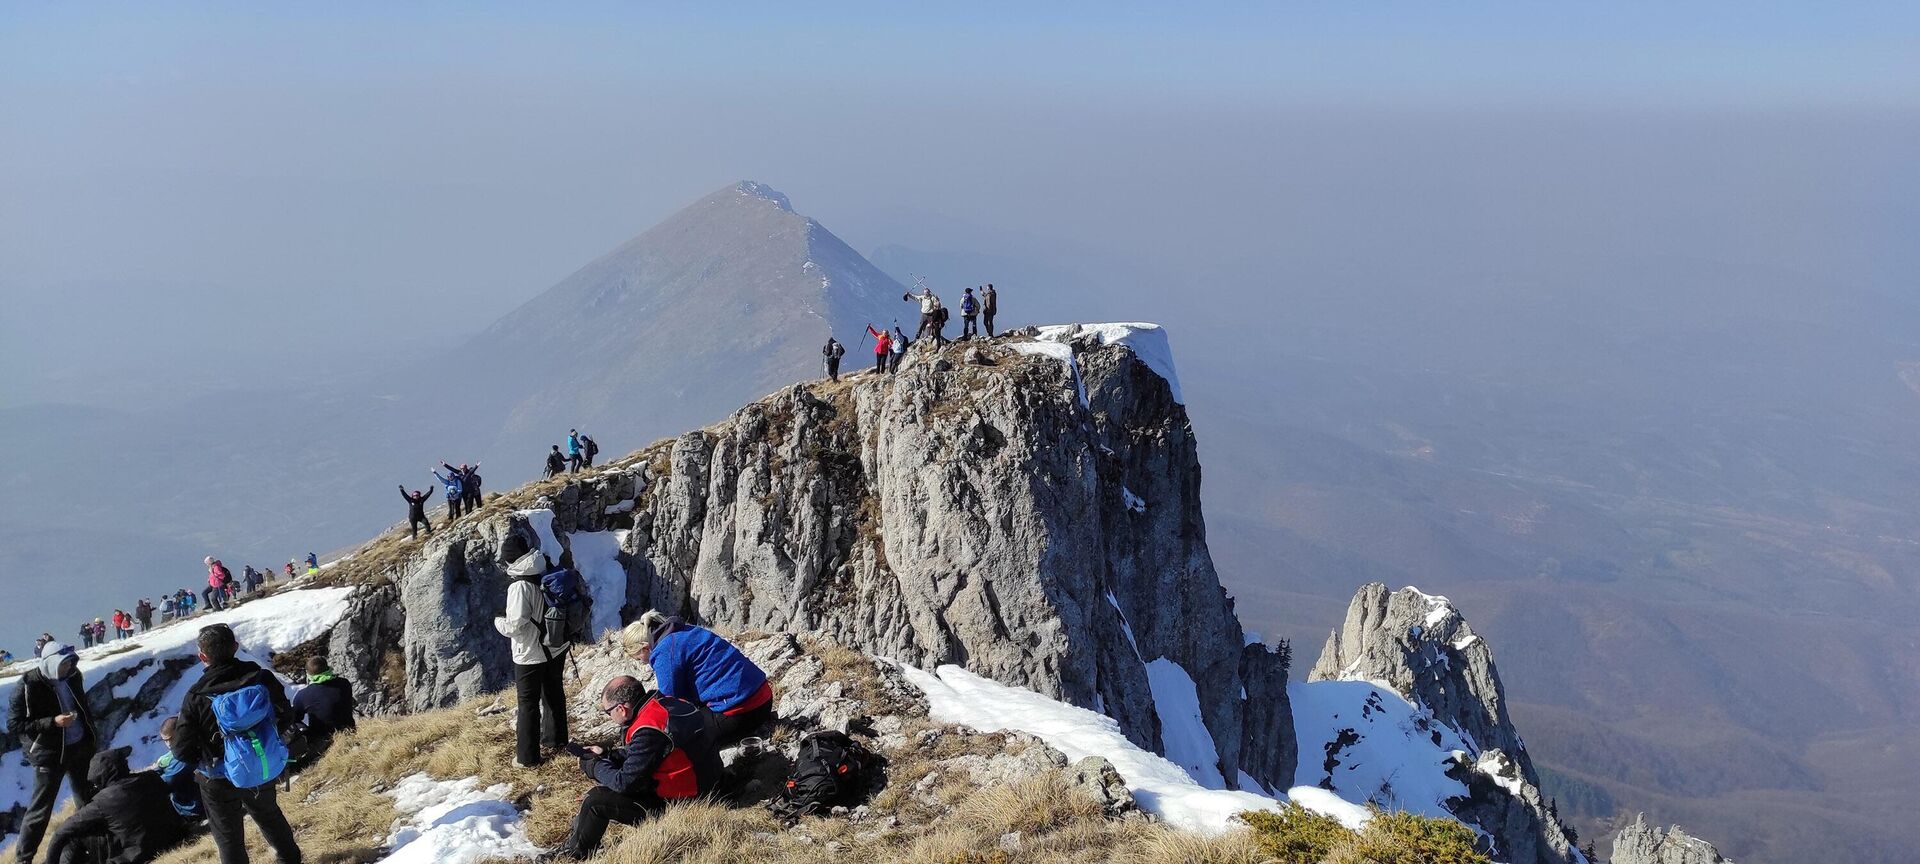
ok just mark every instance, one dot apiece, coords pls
pixel 589 449
pixel 573 450
pixel 536 668
pixel 129 820
pixel 667 753
pixel 882 347
pixel 313 563
pixel 556 463
pixel 200 740
pixel 416 514
pixel 50 716
pixel 699 665
pixel 451 480
pixel 470 486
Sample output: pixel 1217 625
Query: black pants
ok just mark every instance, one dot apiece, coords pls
pixel 416 520
pixel 573 462
pixel 227 805
pixel 969 328
pixel 472 501
pixel 833 368
pixel 988 320
pixel 602 807
pixel 534 687
pixel 46 788
pixel 893 361
pixel 88 849
pixel 215 597
pixel 730 728
pixel 879 362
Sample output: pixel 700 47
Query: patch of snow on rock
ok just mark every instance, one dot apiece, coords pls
pixel 1147 342
pixel 1182 729
pixel 596 555
pixel 1363 742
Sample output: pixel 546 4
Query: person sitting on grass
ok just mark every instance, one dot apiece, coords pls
pixel 667 754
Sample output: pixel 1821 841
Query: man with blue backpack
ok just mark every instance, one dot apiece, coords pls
pixel 456 491
pixel 229 728
pixel 969 314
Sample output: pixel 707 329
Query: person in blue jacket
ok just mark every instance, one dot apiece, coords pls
pixel 455 492
pixel 183 792
pixel 574 456
pixel 699 665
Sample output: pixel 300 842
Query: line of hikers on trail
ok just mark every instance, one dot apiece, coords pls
pixel 223 590
pixel 889 347
pixel 235 735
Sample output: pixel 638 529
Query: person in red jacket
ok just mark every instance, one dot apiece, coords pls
pixel 882 344
pixel 668 755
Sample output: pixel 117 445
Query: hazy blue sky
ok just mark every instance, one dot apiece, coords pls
pixel 208 182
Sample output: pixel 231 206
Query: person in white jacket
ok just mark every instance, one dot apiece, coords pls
pixel 536 667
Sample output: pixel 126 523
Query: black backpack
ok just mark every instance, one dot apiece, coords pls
pixel 831 771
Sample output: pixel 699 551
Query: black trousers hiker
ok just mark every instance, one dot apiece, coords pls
pixel 227 809
pixel 46 789
pixel 602 807
pixel 534 687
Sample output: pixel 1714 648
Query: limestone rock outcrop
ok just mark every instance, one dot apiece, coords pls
pixel 1419 645
pixel 1641 843
pixel 1036 520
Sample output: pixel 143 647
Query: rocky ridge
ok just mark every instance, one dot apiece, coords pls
pixel 1641 843
pixel 1419 646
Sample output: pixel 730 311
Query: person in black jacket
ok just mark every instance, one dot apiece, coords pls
pixel 130 817
pixel 50 715
pixel 669 754
pixel 470 486
pixel 197 741
pixel 416 512
pixel 324 706
pixel 556 463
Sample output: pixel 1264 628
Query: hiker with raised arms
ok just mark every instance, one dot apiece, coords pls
pixel 450 480
pixel 416 513
pixel 882 348
pixel 929 305
pixel 230 730
pixel 50 715
pixel 697 664
pixel 666 753
pixel 537 665
pixel 470 486
pixel 897 349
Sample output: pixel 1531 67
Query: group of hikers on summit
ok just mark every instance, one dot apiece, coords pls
pixel 890 346
pixel 462 484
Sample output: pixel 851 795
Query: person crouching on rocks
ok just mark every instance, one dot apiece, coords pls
pixel 697 664
pixel 667 754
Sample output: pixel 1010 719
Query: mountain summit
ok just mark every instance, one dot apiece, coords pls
pixel 726 300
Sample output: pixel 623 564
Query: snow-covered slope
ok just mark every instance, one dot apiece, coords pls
pixel 134 684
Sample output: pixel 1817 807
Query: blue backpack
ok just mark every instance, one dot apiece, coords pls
pixel 254 755
pixel 569 612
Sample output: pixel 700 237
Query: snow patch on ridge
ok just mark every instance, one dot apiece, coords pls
pixel 957 696
pixel 596 556
pixel 1183 731
pixel 752 189
pixel 1147 342
pixel 1366 744
pixel 455 822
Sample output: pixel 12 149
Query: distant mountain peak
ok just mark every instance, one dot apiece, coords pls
pixel 756 189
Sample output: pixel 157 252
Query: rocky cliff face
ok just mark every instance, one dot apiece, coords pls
pixel 1034 518
pixel 1640 843
pixel 1419 646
